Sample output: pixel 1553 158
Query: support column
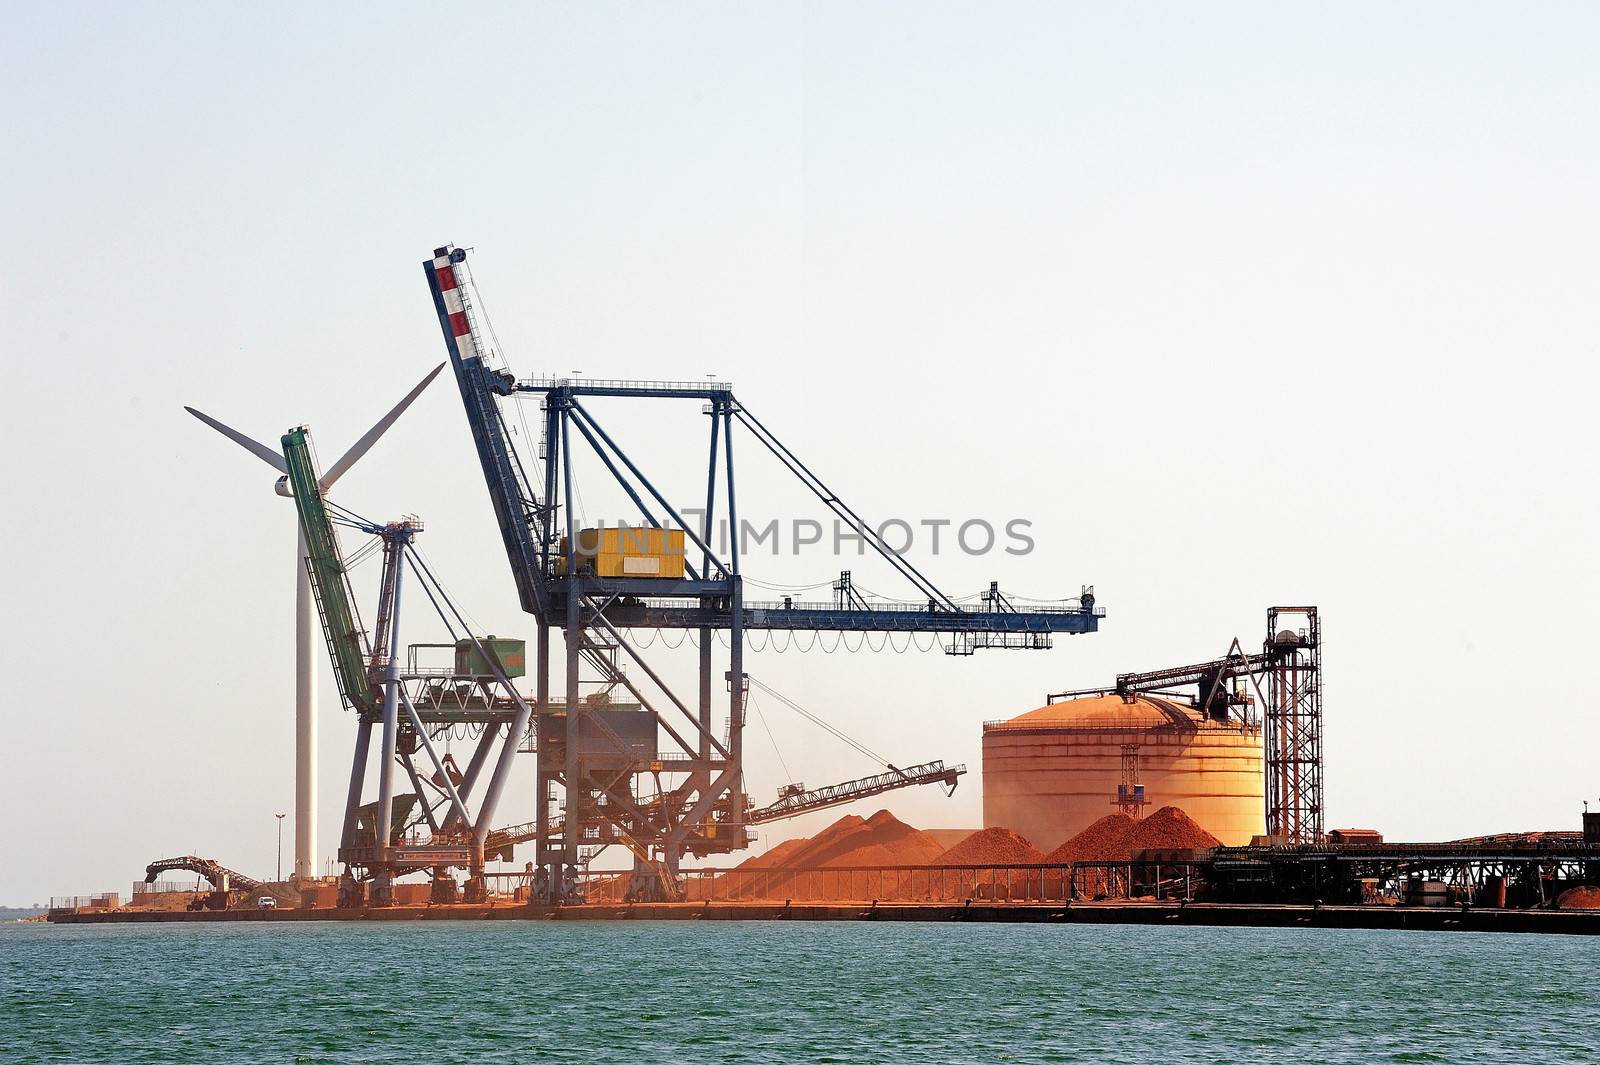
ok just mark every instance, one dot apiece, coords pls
pixel 572 829
pixel 305 720
pixel 544 725
pixel 358 777
pixel 736 704
pixel 384 873
pixel 736 646
pixel 541 775
pixel 703 777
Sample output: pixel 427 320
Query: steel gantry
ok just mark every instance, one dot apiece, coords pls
pixel 619 786
pixel 1294 724
pixel 391 690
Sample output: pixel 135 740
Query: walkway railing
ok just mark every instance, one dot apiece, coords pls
pixel 924 883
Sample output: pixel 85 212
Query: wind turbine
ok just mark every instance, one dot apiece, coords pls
pixel 305 656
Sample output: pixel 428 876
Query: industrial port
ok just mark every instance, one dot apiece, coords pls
pixel 745 534
pixel 1192 793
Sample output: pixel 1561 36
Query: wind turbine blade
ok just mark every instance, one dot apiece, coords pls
pixel 255 447
pixel 362 446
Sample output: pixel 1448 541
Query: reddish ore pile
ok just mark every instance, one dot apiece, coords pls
pixel 1103 841
pixel 882 857
pixel 1116 837
pixel 1169 828
pixel 880 840
pixel 1580 898
pixel 777 857
pixel 992 846
pixel 883 840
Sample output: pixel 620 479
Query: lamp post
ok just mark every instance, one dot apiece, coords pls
pixel 280 847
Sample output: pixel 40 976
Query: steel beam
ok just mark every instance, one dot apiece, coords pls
pixel 391 699
pixel 457 804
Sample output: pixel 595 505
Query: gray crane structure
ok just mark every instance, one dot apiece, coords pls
pixel 687 797
pixel 398 696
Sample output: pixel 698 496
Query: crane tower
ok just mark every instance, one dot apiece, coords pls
pixel 1293 719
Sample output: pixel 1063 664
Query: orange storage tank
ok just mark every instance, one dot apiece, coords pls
pixel 1052 772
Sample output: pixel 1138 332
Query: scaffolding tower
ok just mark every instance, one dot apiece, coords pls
pixel 1293 733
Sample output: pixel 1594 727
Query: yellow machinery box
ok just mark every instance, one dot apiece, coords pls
pixel 628 551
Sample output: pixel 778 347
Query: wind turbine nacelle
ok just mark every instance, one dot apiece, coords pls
pixel 282 487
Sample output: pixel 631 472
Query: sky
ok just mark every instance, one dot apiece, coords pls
pixel 1236 305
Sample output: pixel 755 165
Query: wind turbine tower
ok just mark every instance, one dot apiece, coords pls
pixel 305 626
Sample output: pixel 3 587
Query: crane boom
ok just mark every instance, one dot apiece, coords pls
pixel 516 507
pixel 1211 679
pixel 330 585
pixel 794 801
pixel 221 877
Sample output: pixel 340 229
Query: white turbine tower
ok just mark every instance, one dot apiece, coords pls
pixel 305 655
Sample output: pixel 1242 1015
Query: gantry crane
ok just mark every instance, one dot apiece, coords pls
pixel 434 824
pixel 617 785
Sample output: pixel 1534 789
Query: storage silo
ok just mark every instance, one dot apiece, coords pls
pixel 1051 772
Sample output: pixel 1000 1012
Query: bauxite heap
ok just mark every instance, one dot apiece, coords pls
pixel 1104 841
pixel 880 840
pixel 992 846
pixel 1580 898
pixel 1117 837
pixel 1169 828
pixel 775 858
pixel 884 840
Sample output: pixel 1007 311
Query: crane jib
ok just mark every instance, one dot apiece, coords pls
pixel 329 583
pixel 478 385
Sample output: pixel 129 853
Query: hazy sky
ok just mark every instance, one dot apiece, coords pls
pixel 1241 305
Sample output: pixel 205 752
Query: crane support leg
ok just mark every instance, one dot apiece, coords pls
pixel 358 776
pixel 384 878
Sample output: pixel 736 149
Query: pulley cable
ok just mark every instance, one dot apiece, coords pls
pixel 756 706
pixel 818 721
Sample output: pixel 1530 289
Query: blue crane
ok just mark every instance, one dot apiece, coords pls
pixel 699 805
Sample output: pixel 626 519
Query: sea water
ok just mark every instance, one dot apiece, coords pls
pixel 778 991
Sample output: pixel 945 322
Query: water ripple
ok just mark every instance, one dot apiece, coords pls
pixel 788 992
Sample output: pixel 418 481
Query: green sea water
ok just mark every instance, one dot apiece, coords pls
pixel 645 992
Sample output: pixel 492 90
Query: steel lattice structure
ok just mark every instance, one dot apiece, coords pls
pixel 406 705
pixel 1293 719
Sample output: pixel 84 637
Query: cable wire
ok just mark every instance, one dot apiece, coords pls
pixel 756 706
pixel 818 721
